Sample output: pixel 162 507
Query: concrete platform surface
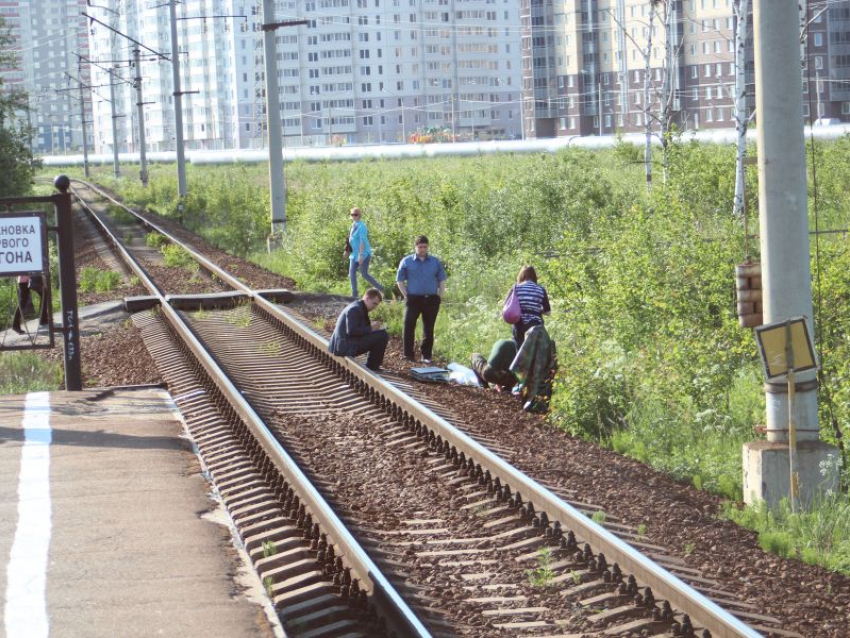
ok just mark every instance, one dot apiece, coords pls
pixel 107 527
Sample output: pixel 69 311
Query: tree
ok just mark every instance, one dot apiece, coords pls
pixel 17 165
pixel 742 120
pixel 665 11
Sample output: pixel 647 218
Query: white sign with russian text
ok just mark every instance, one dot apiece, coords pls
pixel 21 248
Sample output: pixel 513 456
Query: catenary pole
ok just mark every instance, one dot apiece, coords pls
pixel 277 181
pixel 143 170
pixel 786 274
pixel 178 103
pixel 793 454
pixel 85 131
pixel 112 78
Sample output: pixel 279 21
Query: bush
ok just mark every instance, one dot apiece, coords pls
pixel 652 361
pixel 155 240
pixel 176 256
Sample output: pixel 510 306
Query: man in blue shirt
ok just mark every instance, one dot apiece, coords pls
pixel 355 334
pixel 422 281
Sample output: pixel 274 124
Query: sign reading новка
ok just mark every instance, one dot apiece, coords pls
pixel 22 242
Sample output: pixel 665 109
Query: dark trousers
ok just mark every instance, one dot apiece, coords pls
pixel 375 343
pixel 23 300
pixel 428 306
pixel 520 329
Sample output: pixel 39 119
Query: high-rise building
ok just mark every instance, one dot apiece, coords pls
pixel 360 71
pixel 47 34
pixel 605 66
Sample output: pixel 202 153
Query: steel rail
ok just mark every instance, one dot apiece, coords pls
pixel 664 585
pixel 204 262
pixel 400 618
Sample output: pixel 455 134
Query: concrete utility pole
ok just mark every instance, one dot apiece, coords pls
pixel 178 103
pixel 277 180
pixel 786 275
pixel 143 171
pixel 85 131
pixel 112 78
pixel 599 101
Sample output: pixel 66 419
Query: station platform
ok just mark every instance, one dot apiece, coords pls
pixel 108 527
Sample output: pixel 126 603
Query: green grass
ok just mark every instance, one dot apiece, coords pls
pixel 94 280
pixel 176 257
pixel 543 574
pixel 23 371
pixel 121 216
pixel 155 240
pixel 817 535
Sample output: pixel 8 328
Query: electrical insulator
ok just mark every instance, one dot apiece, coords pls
pixel 748 292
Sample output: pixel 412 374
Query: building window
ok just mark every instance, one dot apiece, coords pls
pixel 818 39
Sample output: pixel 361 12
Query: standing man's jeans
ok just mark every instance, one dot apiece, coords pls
pixel 428 306
pixel 364 270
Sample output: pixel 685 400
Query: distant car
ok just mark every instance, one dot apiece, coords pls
pixel 827 121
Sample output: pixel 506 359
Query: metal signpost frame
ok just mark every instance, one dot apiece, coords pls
pixel 67 275
pixel 786 349
pixel 43 271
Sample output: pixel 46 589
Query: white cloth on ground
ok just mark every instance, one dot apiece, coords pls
pixel 462 375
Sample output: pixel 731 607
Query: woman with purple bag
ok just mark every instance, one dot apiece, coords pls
pixel 533 303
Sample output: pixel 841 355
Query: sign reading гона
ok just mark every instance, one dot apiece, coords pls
pixel 23 238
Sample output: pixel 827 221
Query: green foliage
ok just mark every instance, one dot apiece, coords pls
pixel 17 165
pixel 155 240
pixel 176 256
pixel 22 372
pixel 121 216
pixel 652 361
pixel 818 535
pixel 543 574
pixel 94 280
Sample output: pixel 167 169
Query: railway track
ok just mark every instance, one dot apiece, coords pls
pixel 368 510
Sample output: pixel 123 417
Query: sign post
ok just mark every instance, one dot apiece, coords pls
pixel 68 284
pixel 786 348
pixel 24 251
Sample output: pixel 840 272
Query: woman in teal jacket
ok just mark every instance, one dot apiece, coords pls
pixel 361 253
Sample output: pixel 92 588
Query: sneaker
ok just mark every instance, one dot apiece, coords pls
pixel 18 330
pixel 427 361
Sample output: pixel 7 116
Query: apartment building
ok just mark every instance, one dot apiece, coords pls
pixel 359 71
pixel 605 66
pixel 46 35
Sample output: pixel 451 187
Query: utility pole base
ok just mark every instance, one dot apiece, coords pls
pixel 274 241
pixel 767 474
